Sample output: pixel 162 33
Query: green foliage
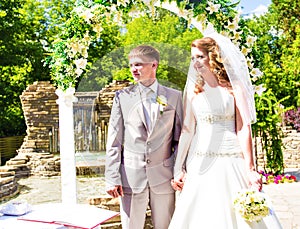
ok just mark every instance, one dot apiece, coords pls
pixel 277 49
pixel 12 83
pixel 88 27
pixel 276 53
pixel 20 54
pixel 267 127
pixel 166 32
pixel 171 36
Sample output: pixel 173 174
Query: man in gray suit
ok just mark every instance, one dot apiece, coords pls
pixel 143 133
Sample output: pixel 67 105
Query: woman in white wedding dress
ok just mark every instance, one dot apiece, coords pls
pixel 215 159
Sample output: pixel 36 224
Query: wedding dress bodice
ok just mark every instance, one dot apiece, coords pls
pixel 214 112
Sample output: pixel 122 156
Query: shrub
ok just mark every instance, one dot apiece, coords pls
pixel 292 118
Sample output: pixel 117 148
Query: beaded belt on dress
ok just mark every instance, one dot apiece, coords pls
pixel 214 118
pixel 218 154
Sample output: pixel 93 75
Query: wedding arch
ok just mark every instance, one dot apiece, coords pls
pixel 69 53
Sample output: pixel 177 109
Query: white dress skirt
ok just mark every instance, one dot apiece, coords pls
pixel 216 169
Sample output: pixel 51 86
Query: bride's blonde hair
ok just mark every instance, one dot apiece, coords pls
pixel 215 62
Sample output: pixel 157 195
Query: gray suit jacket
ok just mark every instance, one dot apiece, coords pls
pixel 136 156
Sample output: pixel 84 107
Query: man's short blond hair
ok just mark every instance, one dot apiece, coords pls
pixel 145 52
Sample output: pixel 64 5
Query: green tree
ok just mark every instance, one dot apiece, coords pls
pixel 276 53
pixel 171 36
pixel 15 65
pixel 26 27
pixel 277 49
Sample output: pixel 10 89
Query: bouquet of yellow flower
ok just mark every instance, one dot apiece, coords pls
pixel 251 205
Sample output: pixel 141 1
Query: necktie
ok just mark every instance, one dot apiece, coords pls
pixel 148 107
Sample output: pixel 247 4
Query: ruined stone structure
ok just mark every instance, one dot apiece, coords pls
pixel 41 117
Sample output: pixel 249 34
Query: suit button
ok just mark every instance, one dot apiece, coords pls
pixel 148 161
pixel 148 143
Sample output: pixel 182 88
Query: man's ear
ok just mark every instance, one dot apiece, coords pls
pixel 155 64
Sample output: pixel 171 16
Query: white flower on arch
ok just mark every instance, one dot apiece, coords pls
pixel 213 8
pixel 80 63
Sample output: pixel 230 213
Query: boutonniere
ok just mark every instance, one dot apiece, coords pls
pixel 162 101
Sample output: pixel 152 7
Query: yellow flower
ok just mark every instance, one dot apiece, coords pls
pixel 162 101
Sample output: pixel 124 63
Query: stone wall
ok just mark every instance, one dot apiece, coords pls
pixel 8 185
pixel 106 96
pixel 291 149
pixel 41 117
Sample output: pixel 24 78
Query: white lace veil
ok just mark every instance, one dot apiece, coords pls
pixel 236 67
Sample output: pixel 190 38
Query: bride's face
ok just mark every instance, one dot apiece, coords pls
pixel 200 59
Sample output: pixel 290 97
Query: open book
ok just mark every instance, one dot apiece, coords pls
pixel 75 215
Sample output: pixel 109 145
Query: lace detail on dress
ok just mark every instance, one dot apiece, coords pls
pixel 214 118
pixel 218 154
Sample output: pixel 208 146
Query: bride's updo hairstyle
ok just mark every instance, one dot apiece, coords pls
pixel 215 62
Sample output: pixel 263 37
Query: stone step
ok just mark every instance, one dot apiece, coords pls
pixel 7 169
pixel 6 174
pixel 16 162
pixel 6 180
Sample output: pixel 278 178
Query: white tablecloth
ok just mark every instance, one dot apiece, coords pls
pixel 12 222
pixel 58 216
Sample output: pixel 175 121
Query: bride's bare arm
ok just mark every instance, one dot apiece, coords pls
pixel 244 134
pixel 187 133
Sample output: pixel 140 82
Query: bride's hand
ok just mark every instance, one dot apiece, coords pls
pixel 178 182
pixel 255 180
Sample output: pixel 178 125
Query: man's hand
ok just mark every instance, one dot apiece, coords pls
pixel 115 191
pixel 177 183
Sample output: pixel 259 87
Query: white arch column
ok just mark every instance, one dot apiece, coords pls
pixel 67 146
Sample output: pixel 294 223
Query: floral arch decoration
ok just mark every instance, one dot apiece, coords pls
pixel 69 53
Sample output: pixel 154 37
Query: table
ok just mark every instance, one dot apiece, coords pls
pixel 59 216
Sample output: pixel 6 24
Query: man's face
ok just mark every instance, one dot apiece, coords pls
pixel 142 70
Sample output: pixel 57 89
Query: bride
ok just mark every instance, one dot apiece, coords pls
pixel 215 156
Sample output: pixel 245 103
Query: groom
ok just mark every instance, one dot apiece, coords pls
pixel 143 133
